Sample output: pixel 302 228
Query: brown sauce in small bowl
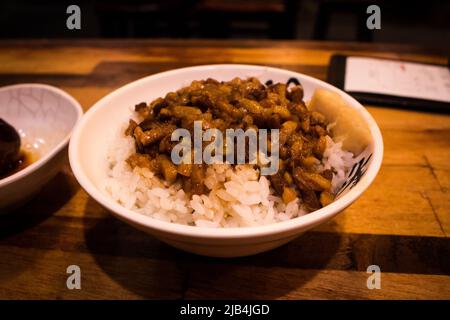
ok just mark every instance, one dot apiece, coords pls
pixel 25 159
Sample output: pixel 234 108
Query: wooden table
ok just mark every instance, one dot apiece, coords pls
pixel 402 223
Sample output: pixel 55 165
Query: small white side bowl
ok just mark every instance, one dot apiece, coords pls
pixel 91 138
pixel 44 116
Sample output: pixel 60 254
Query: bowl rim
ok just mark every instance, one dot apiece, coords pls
pixel 56 149
pixel 146 222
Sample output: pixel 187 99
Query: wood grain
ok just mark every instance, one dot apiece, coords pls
pixel 402 222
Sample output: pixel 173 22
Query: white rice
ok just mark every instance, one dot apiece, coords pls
pixel 238 197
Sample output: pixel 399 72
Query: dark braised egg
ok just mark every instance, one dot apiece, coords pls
pixel 9 148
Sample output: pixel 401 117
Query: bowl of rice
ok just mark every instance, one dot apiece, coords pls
pixel 239 211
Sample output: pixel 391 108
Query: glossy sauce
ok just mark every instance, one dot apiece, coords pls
pixel 25 159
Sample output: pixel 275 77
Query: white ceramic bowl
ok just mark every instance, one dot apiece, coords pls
pixel 44 116
pixel 89 143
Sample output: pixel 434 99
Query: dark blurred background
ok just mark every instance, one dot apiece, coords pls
pixel 419 22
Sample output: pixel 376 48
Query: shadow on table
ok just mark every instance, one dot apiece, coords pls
pixel 55 194
pixel 16 227
pixel 264 276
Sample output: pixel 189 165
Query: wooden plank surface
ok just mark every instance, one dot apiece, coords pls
pixel 402 222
